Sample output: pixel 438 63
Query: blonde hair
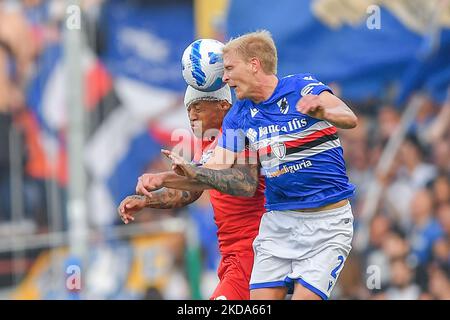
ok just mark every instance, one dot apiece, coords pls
pixel 257 44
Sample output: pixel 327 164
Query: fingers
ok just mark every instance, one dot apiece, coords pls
pixel 166 153
pixel 142 190
pixel 124 206
pixel 121 208
pixel 126 218
pixel 307 109
pixel 309 104
pixel 148 183
pixel 139 186
pixel 129 207
pixel 132 204
pixel 128 204
pixel 177 159
pixel 178 170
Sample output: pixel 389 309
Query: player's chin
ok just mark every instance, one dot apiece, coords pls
pixel 197 133
pixel 238 93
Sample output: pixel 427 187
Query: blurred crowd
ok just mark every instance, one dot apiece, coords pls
pixel 31 184
pixel 407 255
pixel 27 28
pixel 20 42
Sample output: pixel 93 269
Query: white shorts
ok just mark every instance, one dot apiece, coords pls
pixel 308 248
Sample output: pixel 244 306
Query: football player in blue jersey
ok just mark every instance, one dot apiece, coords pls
pixel 306 234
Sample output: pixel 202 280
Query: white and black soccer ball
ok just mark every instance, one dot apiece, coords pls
pixel 202 65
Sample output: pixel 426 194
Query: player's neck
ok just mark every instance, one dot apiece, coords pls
pixel 266 85
pixel 208 137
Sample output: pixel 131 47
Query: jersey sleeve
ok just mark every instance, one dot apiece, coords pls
pixel 310 85
pixel 233 136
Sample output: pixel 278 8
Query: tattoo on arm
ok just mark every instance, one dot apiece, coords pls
pixel 240 180
pixel 166 198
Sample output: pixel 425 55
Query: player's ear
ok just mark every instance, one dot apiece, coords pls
pixel 255 63
pixel 225 105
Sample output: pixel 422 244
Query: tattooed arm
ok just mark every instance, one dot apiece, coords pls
pixel 149 182
pixel 161 199
pixel 175 181
pixel 239 180
pixel 167 198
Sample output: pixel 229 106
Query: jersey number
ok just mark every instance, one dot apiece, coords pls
pixel 335 270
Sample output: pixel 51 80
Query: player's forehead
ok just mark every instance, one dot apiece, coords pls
pixel 230 58
pixel 202 103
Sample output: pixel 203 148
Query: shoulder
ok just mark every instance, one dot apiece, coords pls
pixel 236 111
pixel 301 79
pixel 306 83
pixel 239 105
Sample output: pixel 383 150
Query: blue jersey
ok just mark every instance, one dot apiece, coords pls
pixel 301 157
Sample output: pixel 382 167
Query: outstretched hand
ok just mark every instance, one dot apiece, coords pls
pixel 179 165
pixel 130 206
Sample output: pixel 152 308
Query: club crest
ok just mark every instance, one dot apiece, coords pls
pixel 278 149
pixel 283 105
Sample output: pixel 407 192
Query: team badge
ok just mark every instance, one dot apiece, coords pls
pixel 278 149
pixel 283 105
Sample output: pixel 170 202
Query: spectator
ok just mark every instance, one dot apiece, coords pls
pixel 374 254
pixel 441 248
pixel 441 155
pixel 425 228
pixel 5 194
pixel 388 120
pixel 441 190
pixel 439 287
pixel 416 172
pixel 403 287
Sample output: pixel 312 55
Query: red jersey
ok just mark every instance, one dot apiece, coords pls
pixel 237 218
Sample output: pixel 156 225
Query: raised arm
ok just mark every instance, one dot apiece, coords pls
pixel 327 106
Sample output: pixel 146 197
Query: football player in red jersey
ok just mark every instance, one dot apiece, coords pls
pixel 237 216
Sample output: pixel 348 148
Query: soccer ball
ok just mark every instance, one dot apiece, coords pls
pixel 202 65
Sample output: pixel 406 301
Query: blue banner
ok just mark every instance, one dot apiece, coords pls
pixel 145 42
pixel 363 61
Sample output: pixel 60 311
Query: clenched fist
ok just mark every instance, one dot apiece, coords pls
pixel 312 106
